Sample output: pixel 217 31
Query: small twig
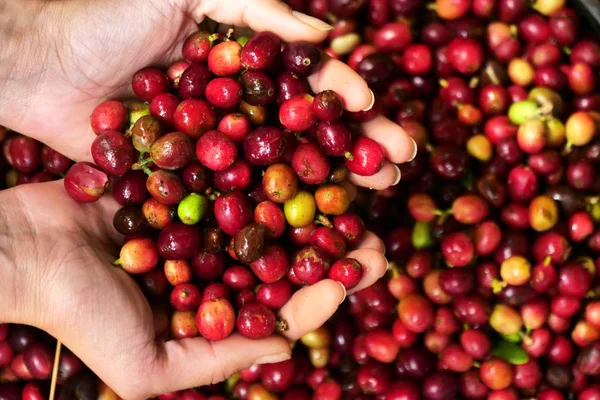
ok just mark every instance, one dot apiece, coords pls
pixel 55 370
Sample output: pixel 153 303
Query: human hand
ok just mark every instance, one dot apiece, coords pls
pixel 62 281
pixel 92 50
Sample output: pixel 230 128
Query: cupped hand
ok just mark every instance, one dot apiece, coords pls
pixel 65 252
pixel 96 47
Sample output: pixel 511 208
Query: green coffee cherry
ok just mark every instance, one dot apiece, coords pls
pixel 300 210
pixel 137 110
pixel 243 40
pixel 521 111
pixel 421 235
pixel 192 208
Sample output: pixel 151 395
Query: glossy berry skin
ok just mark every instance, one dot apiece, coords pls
pixel 458 249
pixel 236 177
pixel 172 151
pixel 264 146
pixel 255 321
pixel 131 188
pixel 166 187
pixel 193 82
pixel 310 164
pixel 296 114
pixel 149 83
pixel 310 265
pixel 235 125
pixel 108 115
pixel 183 325
pixel 289 85
pixel 497 374
pixel 272 265
pixel 163 108
pixel 54 162
pixel 301 58
pixel 334 138
pixel 392 37
pixel 274 295
pixel 224 58
pixel 260 51
pixel 271 216
pixel 351 226
pixel 185 297
pixel 216 151
pixel 194 117
pixel 85 183
pixel 465 55
pixel 129 220
pixel 329 241
pixel 223 92
pixel 416 313
pixel 258 88
pixel 232 212
pixel 215 319
pixel 196 47
pixel 179 241
pixel 367 157
pixel 39 360
pixel 24 154
pixel 328 106
pixel 347 271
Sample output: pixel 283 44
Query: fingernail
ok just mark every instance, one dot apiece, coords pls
pixel 345 293
pixel 387 267
pixel 416 149
pixel 312 21
pixel 372 103
pixel 273 358
pixel 398 175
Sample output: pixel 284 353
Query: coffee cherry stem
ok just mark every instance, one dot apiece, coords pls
pixel 142 164
pixel 323 220
pixel 117 262
pixel 349 156
pixel 443 215
pixel 567 149
pixel 474 82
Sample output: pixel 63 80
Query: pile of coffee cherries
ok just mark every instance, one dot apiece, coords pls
pixel 493 235
pixel 230 175
pixel 26 365
pixel 25 160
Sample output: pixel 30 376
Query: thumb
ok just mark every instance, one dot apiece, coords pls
pixel 264 15
pixel 187 363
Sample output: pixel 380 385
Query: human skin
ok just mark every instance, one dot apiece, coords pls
pixel 61 58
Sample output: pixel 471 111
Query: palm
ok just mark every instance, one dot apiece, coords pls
pixel 73 249
pixel 95 63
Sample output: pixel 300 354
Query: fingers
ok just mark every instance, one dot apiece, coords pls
pixel 337 76
pixel 374 266
pixel 311 306
pixel 398 146
pixel 389 175
pixel 372 241
pixel 263 15
pixel 187 363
